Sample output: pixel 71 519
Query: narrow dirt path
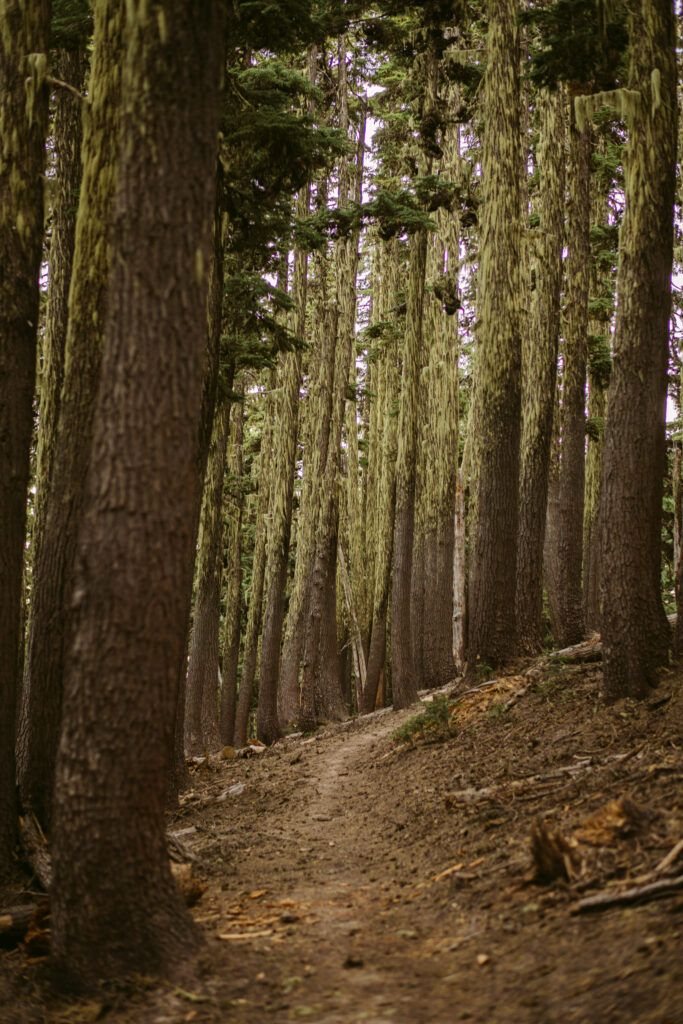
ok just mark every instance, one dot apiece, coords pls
pixel 349 880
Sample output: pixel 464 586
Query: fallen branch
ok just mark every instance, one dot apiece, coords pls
pixel 36 849
pixel 653 891
pixel 14 922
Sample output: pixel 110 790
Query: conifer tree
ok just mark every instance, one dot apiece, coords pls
pixel 133 564
pixel 50 620
pixel 635 633
pixel 24 28
pixel 539 366
pixel 496 400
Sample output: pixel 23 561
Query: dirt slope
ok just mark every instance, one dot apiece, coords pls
pixel 352 878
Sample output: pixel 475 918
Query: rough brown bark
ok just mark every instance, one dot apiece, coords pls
pixel 178 776
pixel 50 622
pixel 567 606
pixel 201 695
pixel 24 28
pixel 115 907
pixel 635 633
pixel 233 590
pixel 67 132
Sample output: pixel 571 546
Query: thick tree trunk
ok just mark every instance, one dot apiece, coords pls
pixel 201 700
pixel 567 607
pixel 53 571
pixel 539 371
pixel 496 399
pixel 115 907
pixel 24 29
pixel 635 633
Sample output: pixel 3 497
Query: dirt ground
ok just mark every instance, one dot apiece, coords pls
pixel 351 876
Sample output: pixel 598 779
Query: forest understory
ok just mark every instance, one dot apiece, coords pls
pixel 382 869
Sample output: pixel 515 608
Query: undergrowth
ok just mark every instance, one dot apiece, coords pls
pixel 433 724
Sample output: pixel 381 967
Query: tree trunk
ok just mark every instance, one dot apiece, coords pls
pixel 115 907
pixel 567 608
pixel 280 515
pixel 258 570
pixel 404 682
pixel 233 594
pixel 67 130
pixel 53 571
pixel 201 700
pixel 539 372
pixel 316 414
pixel 24 29
pixel 178 777
pixel 496 398
pixel 635 633
pixel 381 535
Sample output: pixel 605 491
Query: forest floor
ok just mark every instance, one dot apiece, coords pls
pixel 352 876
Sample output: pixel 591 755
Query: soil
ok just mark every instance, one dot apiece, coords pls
pixel 352 876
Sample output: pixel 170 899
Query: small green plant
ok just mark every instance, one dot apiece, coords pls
pixel 498 710
pixel 433 724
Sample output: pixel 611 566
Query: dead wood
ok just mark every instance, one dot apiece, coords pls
pixel 587 650
pixel 36 849
pixel 552 855
pixel 14 922
pixel 652 891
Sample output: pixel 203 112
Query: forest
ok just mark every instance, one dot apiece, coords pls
pixel 340 361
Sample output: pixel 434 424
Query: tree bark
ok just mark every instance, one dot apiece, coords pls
pixel 255 611
pixel 201 700
pixel 53 572
pixel 539 372
pixel 115 907
pixel 567 608
pixel 496 398
pixel 233 590
pixel 635 633
pixel 24 30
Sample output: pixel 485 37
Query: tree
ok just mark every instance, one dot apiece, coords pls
pixel 115 907
pixel 565 597
pixel 496 399
pixel 539 370
pixel 53 571
pixel 635 633
pixel 24 30
pixel 201 701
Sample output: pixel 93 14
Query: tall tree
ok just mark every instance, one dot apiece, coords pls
pixel 233 501
pixel 201 700
pixel 24 27
pixel 496 400
pixel 635 632
pixel 50 618
pixel 539 370
pixel 566 600
pixel 133 576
